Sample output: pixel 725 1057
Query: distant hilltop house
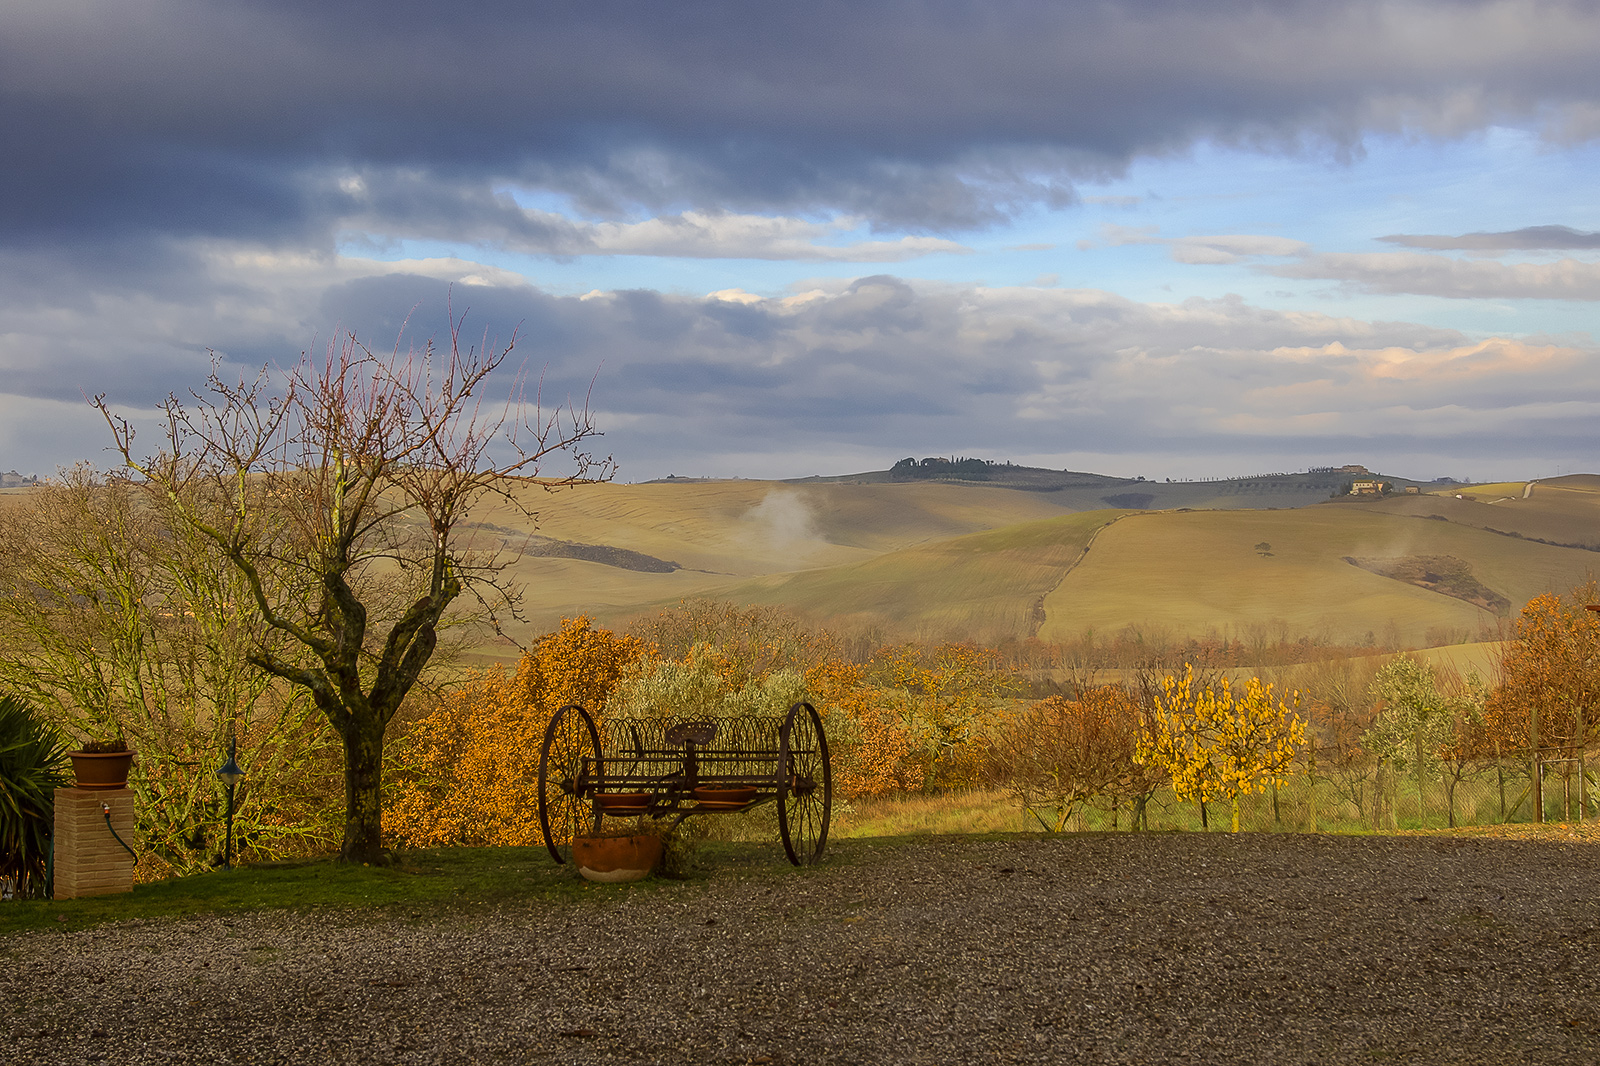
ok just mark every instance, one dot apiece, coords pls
pixel 13 480
pixel 1353 468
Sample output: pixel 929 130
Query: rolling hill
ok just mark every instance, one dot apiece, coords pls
pixel 1051 553
pixel 935 558
pixel 1336 572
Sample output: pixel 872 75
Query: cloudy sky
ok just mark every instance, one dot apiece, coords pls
pixel 1143 237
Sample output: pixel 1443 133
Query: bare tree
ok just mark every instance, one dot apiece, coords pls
pixel 116 623
pixel 337 491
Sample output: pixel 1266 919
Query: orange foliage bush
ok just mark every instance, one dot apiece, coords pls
pixel 950 699
pixel 468 773
pixel 1548 673
pixel 873 752
pixel 1059 754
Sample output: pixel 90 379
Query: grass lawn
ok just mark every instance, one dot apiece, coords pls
pixel 432 883
pixel 423 881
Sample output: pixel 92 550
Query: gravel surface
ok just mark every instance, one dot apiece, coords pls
pixel 1139 948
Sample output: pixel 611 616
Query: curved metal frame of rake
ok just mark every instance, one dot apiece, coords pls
pixel 780 760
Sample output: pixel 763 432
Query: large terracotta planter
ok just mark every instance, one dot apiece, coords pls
pixel 101 770
pixel 614 859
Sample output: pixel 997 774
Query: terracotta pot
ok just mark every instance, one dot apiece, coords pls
pixel 616 803
pixel 101 770
pixel 722 799
pixel 612 859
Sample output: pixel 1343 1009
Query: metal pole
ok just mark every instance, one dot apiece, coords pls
pixel 227 848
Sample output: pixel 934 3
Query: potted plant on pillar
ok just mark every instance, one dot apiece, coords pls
pixel 102 764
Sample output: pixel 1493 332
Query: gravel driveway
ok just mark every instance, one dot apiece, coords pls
pixel 1139 948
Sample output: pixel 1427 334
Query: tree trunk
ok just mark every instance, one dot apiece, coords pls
pixel 363 792
pixel 1235 814
pixel 1394 800
pixel 1422 817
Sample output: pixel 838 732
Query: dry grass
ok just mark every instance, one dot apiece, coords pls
pixel 725 533
pixel 975 811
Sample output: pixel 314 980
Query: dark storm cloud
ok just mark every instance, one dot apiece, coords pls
pixel 1529 238
pixel 247 120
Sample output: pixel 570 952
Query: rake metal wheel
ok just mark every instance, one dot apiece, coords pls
pixel 805 785
pixel 565 811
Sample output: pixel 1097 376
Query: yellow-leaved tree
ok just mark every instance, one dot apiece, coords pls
pixel 1212 743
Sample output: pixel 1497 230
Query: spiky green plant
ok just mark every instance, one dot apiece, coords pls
pixel 33 764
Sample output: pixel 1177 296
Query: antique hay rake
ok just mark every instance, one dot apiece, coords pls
pixel 671 768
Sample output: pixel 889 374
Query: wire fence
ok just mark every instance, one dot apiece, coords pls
pixel 1369 796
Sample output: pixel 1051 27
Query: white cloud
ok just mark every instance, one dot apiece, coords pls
pixel 499 222
pixel 1441 275
pixel 1213 249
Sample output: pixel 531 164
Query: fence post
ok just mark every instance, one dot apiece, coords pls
pixel 1500 775
pixel 1311 791
pixel 1537 784
pixel 1583 790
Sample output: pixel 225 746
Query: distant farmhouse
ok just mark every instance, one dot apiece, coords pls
pixel 13 480
pixel 1368 487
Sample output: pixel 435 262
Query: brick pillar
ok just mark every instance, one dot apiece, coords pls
pixel 88 860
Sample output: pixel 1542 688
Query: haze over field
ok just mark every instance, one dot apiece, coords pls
pixel 1150 238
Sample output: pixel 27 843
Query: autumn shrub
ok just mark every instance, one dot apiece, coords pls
pixel 1336 697
pixel 707 682
pixel 722 658
pixel 468 773
pixel 951 700
pixel 1059 754
pixel 1548 690
pixel 874 751
pixel 753 641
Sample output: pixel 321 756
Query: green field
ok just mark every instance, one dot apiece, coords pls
pixel 1201 571
pixel 723 534
pixel 986 586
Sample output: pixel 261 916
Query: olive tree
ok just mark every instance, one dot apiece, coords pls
pixel 338 490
